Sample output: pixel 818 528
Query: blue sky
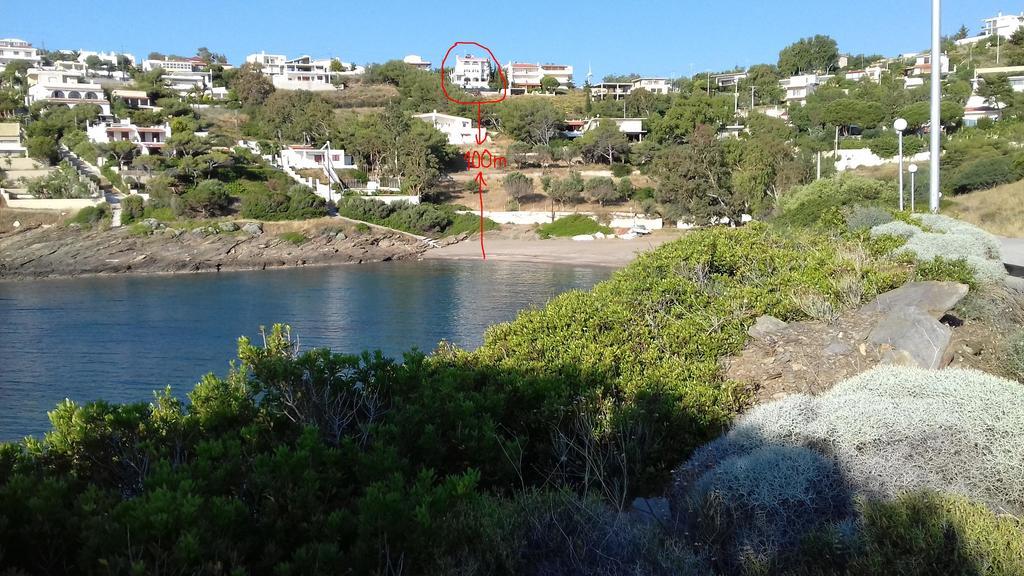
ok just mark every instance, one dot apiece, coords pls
pixel 650 37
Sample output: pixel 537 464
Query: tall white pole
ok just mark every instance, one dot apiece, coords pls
pixel 936 128
pixel 901 169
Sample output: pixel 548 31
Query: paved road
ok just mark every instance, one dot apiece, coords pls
pixel 1013 251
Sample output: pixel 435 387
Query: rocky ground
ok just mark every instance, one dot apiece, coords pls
pixel 66 251
pixel 926 324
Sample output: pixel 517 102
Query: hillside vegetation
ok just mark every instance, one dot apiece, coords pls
pixel 516 458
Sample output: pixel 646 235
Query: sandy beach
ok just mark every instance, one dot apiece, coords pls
pixel 500 247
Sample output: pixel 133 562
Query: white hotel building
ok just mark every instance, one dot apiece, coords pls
pixel 471 72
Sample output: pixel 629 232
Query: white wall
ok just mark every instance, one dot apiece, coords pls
pixel 530 218
pixel 68 204
pixel 851 159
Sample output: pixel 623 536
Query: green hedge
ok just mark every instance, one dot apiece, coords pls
pixel 574 225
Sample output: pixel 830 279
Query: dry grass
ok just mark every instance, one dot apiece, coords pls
pixel 28 218
pixel 362 98
pixel 998 210
pixel 225 121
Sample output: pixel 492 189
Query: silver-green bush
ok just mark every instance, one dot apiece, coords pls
pixel 887 431
pixel 951 239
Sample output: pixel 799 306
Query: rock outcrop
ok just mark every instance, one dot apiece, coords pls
pixel 902 327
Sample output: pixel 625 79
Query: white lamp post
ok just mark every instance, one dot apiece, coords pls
pixel 913 187
pixel 936 129
pixel 901 126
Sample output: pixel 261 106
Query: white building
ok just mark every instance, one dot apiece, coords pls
pixel 1015 74
pixel 729 79
pixel 182 76
pixel 460 131
pixel 923 65
pixel 14 49
pixel 653 85
pixel 633 128
pixel 149 139
pixel 57 87
pixel 133 98
pixel 416 61
pixel 524 77
pixel 873 73
pixel 978 108
pixel 471 72
pixel 308 157
pixel 108 57
pixel 611 90
pixel 10 140
pixel 1002 25
pixel 799 88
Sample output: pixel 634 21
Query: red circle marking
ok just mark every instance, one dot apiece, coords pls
pixel 501 74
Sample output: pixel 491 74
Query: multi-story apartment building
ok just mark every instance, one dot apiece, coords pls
pixel 471 72
pixel 14 49
pixel 1002 25
pixel 523 77
pixel 923 65
pixel 148 139
pixel 302 73
pixel 61 88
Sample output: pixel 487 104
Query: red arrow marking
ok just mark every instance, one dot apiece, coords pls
pixel 480 137
pixel 481 181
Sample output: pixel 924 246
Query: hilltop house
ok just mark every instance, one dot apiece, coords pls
pixel 728 79
pixel 307 157
pixel 524 77
pixel 57 87
pixel 10 140
pixel 416 61
pixel 978 108
pixel 107 57
pixel 1015 75
pixel 14 49
pixel 923 65
pixel 459 130
pixel 611 90
pixel 799 88
pixel 149 139
pixel 182 76
pixel 471 73
pixel 873 73
pixel 1002 25
pixel 633 128
pixel 302 73
pixel 133 98
pixel 652 85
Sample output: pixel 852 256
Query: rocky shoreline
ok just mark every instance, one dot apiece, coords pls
pixel 64 251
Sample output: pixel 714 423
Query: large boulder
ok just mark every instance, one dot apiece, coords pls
pixel 228 227
pixel 765 327
pixel 913 337
pixel 253 229
pixel 934 298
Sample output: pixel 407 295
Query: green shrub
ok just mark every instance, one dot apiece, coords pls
pixel 362 228
pixel 208 198
pixel 426 219
pixel 297 203
pixel 132 209
pixel 573 225
pixel 945 269
pixel 91 214
pixel 949 239
pixel 926 533
pixel 804 206
pixel 296 238
pixel 621 170
pixel 981 174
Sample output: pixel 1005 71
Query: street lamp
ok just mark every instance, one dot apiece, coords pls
pixel 901 126
pixel 936 108
pixel 913 187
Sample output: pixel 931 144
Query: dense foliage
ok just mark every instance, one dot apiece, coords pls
pixel 573 225
pixel 323 463
pixel 425 219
